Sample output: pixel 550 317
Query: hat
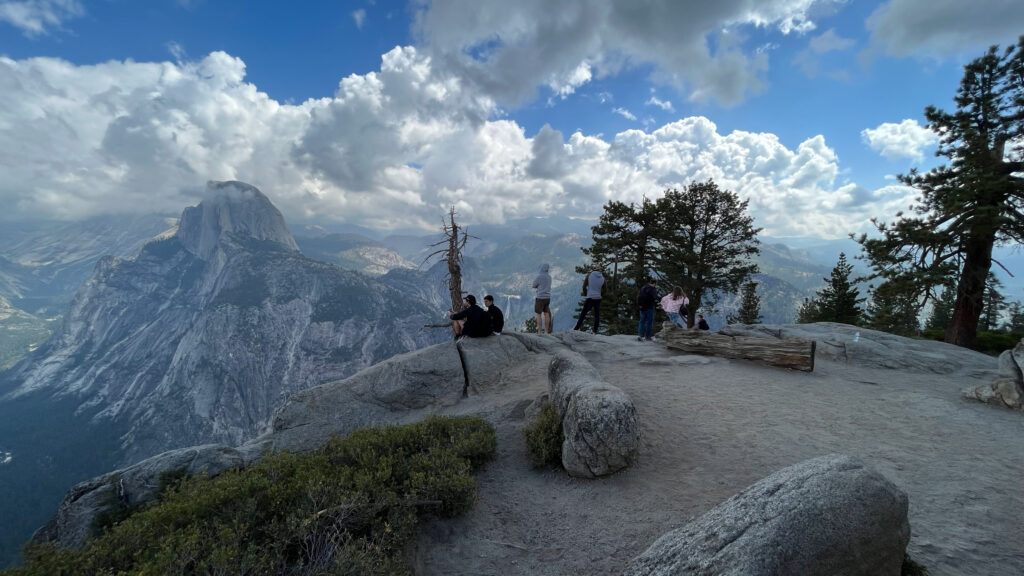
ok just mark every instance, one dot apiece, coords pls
pixel 471 299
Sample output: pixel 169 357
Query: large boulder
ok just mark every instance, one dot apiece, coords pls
pixel 825 516
pixel 598 420
pixel 76 517
pixel 1007 390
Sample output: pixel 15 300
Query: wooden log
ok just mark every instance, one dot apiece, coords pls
pixel 794 353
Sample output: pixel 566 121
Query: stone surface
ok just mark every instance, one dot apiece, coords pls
pixel 1007 390
pixel 598 420
pixel 825 516
pixel 874 349
pixel 73 522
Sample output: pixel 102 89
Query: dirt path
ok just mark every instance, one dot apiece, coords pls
pixel 711 427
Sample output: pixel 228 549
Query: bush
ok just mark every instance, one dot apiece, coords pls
pixel 352 507
pixel 993 343
pixel 544 438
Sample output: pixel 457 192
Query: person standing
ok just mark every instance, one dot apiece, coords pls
pixel 592 286
pixel 497 318
pixel 674 305
pixel 542 299
pixel 471 321
pixel 646 300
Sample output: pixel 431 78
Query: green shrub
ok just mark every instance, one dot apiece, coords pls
pixel 544 438
pixel 993 343
pixel 352 507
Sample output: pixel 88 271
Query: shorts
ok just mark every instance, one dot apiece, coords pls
pixel 541 305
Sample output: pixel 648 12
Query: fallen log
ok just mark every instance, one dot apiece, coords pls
pixel 794 353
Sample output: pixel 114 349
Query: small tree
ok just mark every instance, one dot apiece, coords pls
pixel 993 304
pixel 942 309
pixel 808 312
pixel 1015 323
pixel 838 301
pixel 750 306
pixel 893 310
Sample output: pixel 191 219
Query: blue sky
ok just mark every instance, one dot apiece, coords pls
pixel 383 114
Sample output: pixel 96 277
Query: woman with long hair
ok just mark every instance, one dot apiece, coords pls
pixel 674 305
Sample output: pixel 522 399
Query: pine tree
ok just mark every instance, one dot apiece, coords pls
pixel 750 306
pixel 838 301
pixel 893 310
pixel 969 206
pixel 942 309
pixel 993 304
pixel 808 312
pixel 1015 322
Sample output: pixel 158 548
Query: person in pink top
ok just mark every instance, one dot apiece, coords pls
pixel 673 303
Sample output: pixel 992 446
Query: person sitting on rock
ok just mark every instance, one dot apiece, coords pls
pixel 497 318
pixel 702 323
pixel 472 320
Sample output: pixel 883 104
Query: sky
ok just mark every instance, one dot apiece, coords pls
pixel 385 114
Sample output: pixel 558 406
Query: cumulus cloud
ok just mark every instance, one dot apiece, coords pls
pixel 391 148
pixel 509 49
pixel 36 17
pixel 942 28
pixel 908 139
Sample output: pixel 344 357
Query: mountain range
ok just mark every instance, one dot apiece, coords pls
pixel 195 339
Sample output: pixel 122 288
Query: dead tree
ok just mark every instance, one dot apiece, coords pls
pixel 450 251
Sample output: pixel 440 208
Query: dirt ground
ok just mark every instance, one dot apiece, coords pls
pixel 711 427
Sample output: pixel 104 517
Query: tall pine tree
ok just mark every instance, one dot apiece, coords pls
pixel 969 205
pixel 750 306
pixel 838 301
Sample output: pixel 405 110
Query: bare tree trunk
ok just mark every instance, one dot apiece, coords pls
pixel 451 253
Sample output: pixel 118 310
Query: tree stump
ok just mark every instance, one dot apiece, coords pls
pixel 794 353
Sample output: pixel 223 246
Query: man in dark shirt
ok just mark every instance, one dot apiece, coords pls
pixel 645 301
pixel 497 318
pixel 472 320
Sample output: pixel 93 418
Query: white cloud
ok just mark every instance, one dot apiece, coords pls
pixel 35 17
pixel 942 28
pixel 565 84
pixel 391 148
pixel 908 139
pixel 509 49
pixel 665 105
pixel 359 16
pixel 829 41
pixel 624 113
pixel 809 59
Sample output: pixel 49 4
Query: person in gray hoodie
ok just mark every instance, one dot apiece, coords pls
pixel 592 285
pixel 542 301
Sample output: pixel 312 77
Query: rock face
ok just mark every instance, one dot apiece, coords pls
pixel 1007 390
pixel 825 516
pixel 598 419
pixel 208 329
